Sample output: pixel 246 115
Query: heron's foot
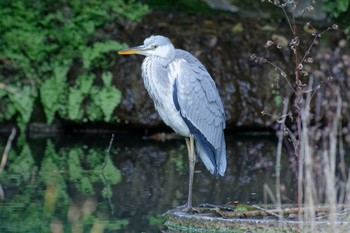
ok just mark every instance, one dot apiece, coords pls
pixel 189 209
pixel 217 207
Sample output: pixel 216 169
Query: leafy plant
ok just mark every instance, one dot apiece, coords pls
pixel 52 52
pixel 339 10
pixel 49 185
pixel 335 8
pixel 51 90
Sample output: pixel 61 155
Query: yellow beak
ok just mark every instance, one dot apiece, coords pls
pixel 133 50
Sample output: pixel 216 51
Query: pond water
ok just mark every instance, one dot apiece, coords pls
pixel 69 183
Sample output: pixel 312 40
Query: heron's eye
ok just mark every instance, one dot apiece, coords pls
pixel 154 46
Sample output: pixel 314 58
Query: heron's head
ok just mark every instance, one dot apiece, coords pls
pixel 159 46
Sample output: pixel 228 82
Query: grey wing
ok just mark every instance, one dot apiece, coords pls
pixel 200 105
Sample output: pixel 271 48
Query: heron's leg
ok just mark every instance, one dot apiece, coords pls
pixel 191 161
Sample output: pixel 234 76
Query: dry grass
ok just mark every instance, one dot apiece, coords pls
pixel 317 140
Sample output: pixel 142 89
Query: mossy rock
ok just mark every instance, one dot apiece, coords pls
pixel 250 220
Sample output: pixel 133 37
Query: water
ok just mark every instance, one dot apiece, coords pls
pixel 69 183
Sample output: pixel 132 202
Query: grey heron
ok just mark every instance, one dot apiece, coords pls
pixel 187 100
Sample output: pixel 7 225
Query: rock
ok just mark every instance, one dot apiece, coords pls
pixel 247 88
pixel 225 5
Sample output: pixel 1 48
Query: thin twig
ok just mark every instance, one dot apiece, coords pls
pixel 281 72
pixel 316 35
pixel 308 50
pixel 110 143
pixel 300 167
pixel 273 212
pixel 288 20
pixel 2 193
pixel 7 149
pixel 282 6
pixel 278 156
pixel 108 160
pixel 307 152
pixel 267 190
pixel 278 215
pixel 108 152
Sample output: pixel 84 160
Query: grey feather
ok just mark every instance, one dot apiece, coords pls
pixel 206 112
pixel 185 96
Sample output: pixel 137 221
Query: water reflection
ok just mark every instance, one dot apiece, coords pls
pixel 68 183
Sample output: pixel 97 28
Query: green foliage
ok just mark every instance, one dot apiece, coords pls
pixel 52 52
pixel 18 102
pixel 24 163
pixel 111 174
pixel 241 208
pixel 183 5
pixel 103 99
pixel 46 188
pixel 23 102
pixel 335 8
pixel 156 220
pixel 117 225
pixel 339 10
pixel 52 90
pixel 91 54
pixel 107 97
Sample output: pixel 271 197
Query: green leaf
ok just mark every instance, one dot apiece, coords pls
pixel 241 208
pixel 117 224
pixel 85 185
pixel 48 44
pixel 51 91
pixel 20 166
pixel 94 112
pixel 343 5
pixel 84 83
pixel 90 54
pixel 156 220
pixel 74 165
pixel 107 98
pixel 75 99
pixel 23 101
pixel 107 78
pixel 111 174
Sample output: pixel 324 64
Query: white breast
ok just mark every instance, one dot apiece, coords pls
pixel 159 85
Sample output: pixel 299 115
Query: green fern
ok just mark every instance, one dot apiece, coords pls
pixel 23 101
pixel 90 54
pixel 51 90
pixel 44 42
pixel 107 97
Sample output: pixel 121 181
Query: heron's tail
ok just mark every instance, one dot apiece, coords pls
pixel 213 159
